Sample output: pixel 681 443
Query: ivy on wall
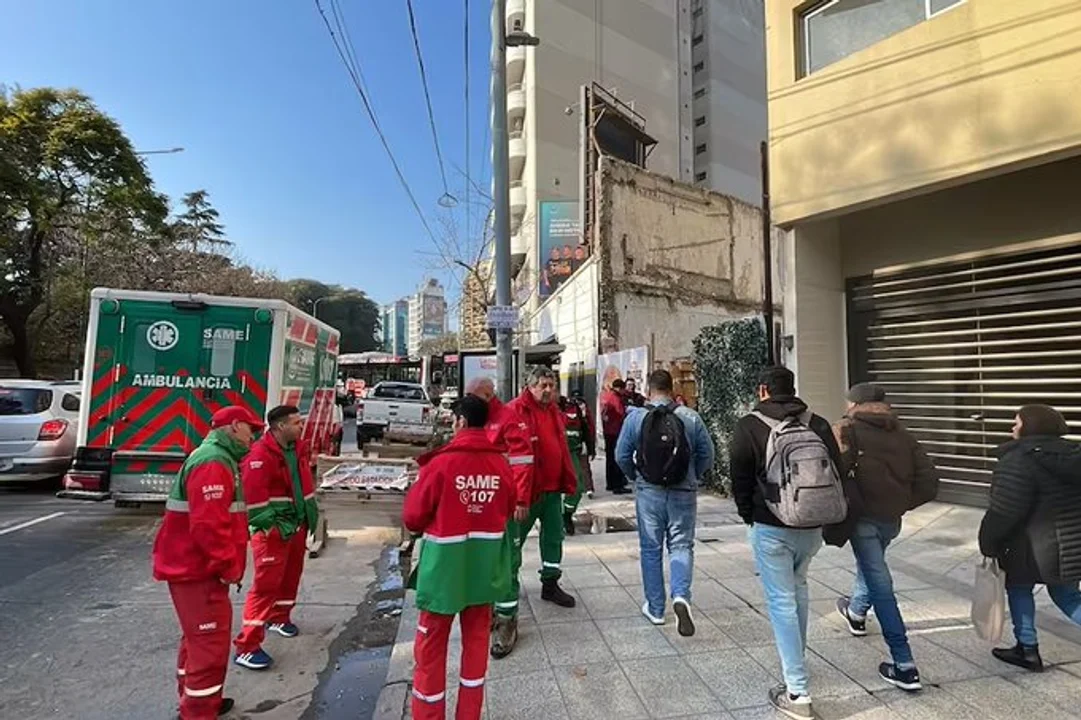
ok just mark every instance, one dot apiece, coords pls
pixel 728 359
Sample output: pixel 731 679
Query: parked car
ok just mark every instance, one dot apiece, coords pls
pixel 38 424
pixel 395 408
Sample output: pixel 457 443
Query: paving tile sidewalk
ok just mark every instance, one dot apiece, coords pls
pixel 603 660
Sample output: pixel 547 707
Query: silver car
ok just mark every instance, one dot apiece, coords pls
pixel 38 427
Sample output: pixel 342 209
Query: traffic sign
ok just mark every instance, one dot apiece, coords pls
pixel 502 317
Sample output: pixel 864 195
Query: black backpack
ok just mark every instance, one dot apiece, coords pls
pixel 664 455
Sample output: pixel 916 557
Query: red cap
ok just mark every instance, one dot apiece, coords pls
pixel 235 413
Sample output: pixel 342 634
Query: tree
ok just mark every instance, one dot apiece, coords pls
pixel 66 170
pixel 198 225
pixel 447 342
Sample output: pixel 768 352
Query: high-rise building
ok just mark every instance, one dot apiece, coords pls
pixel 427 314
pixel 395 328
pixel 692 72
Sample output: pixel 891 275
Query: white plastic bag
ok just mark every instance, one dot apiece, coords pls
pixel 989 601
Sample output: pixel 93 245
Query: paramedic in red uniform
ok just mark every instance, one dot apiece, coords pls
pixel 461 504
pixel 200 551
pixel 280 493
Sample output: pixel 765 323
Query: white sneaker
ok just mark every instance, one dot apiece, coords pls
pixel 682 608
pixel 649 616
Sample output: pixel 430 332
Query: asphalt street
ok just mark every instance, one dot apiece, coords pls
pixel 84 631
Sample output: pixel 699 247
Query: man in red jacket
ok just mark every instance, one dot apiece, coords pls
pixel 613 413
pixel 200 551
pixel 541 485
pixel 461 503
pixel 280 494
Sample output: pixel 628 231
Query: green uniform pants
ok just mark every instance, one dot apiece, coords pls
pixel 570 502
pixel 549 510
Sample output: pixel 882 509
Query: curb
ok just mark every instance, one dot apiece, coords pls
pixel 394 696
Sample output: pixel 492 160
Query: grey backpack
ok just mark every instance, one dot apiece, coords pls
pixel 801 485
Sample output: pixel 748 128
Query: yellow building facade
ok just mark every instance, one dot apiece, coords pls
pixel 924 166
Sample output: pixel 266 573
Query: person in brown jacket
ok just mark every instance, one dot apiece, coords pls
pixel 893 475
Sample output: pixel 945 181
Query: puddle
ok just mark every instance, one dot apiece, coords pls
pixel 349 686
pixel 589 524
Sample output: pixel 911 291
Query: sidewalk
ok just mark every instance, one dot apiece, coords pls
pixel 602 659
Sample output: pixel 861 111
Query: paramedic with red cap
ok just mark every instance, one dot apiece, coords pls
pixel 200 551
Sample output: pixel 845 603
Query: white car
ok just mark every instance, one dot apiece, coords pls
pixel 38 424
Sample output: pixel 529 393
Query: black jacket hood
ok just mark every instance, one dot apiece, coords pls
pixel 780 408
pixel 1059 456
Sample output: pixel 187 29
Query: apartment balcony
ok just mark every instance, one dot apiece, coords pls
pixel 519 247
pixel 515 102
pixel 515 15
pixel 517 201
pixel 518 152
pixel 515 65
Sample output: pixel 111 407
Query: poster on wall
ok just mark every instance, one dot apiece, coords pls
pixel 560 251
pixel 624 365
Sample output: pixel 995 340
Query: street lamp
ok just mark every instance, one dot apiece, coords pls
pixel 169 151
pixel 315 306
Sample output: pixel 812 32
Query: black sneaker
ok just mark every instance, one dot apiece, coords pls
pixel 226 706
pixel 856 627
pixel 908 680
pixel 797 707
pixel 1021 656
pixel 568 523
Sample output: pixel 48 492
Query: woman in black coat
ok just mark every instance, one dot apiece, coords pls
pixel 1033 526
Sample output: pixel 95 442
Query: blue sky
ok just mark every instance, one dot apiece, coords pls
pixel 271 125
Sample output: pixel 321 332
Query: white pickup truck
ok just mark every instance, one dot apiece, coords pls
pixel 399 410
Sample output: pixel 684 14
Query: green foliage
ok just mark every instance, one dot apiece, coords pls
pixel 349 310
pixel 447 342
pixel 728 359
pixel 79 210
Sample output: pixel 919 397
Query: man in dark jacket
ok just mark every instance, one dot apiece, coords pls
pixel 783 554
pixel 1033 526
pixel 894 475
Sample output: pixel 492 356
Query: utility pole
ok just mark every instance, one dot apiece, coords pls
pixel 501 187
pixel 501 196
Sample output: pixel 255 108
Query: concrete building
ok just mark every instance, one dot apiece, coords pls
pixel 473 313
pixel 427 314
pixel 925 156
pixel 395 328
pixel 693 70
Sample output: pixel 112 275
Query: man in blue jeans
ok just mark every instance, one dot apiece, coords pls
pixel 666 511
pixel 783 554
pixel 894 475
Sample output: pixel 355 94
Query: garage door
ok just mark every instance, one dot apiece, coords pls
pixel 960 344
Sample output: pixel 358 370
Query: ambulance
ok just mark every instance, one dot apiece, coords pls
pixel 157 367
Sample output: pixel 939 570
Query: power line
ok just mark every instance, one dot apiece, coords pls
pixel 468 178
pixel 354 74
pixel 428 100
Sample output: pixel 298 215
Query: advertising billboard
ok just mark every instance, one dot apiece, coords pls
pixel 435 309
pixel 624 365
pixel 561 254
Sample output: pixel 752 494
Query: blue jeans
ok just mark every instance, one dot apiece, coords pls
pixel 783 556
pixel 665 516
pixel 874 585
pixel 1023 608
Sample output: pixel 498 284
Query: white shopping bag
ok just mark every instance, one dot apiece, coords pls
pixel 989 601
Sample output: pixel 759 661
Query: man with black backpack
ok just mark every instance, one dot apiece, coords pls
pixel 667 448
pixel 784 468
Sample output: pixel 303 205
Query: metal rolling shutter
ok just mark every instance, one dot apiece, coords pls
pixel 960 345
